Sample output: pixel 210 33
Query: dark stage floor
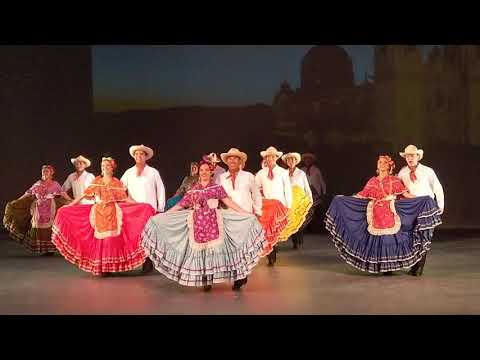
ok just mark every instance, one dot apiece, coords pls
pixel 311 281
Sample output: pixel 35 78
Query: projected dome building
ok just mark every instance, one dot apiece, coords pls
pixel 409 95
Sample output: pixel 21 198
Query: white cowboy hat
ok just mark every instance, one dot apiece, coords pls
pixel 213 158
pixel 294 155
pixel 148 152
pixel 81 158
pixel 234 152
pixel 271 151
pixel 412 150
pixel 309 155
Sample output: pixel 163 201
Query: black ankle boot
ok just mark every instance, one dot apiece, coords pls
pixel 272 257
pixel 417 269
pixel 206 286
pixel 270 261
pixel 421 265
pixel 237 285
pixel 147 267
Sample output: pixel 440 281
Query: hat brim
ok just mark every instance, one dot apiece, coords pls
pixel 241 155
pixel 278 154
pixel 419 153
pixel 148 152
pixel 295 156
pixel 86 161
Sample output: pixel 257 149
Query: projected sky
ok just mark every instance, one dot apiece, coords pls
pixel 150 77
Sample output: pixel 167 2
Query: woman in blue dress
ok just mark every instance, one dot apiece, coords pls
pixel 383 228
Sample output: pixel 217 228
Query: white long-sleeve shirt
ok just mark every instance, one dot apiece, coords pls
pixel 299 178
pixel 315 179
pixel 427 183
pixel 78 185
pixel 279 188
pixel 246 194
pixel 147 188
pixel 216 174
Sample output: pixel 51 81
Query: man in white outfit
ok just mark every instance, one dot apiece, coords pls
pixel 420 180
pixel 240 187
pixel 274 182
pixel 297 178
pixel 239 184
pixel 144 184
pixel 314 176
pixel 80 179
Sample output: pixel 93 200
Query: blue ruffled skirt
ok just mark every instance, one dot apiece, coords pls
pixel 346 220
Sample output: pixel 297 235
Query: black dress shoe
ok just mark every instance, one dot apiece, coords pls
pixel 388 273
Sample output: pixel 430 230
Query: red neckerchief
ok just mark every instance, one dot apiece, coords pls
pixel 290 171
pixel 413 177
pixel 270 173
pixel 233 177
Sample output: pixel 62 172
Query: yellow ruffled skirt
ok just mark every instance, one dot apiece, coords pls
pixel 301 205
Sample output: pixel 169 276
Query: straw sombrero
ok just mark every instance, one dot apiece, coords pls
pixel 412 150
pixel 234 152
pixel 83 159
pixel 271 151
pixel 294 155
pixel 148 151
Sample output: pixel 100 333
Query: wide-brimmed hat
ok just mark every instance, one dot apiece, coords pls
pixel 234 152
pixel 412 150
pixel 271 151
pixel 292 155
pixel 148 151
pixel 309 155
pixel 83 159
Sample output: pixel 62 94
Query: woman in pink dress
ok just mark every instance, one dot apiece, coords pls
pixel 197 244
pixel 29 219
pixel 104 237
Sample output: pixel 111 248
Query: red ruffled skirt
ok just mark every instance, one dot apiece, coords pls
pixel 74 237
pixel 274 219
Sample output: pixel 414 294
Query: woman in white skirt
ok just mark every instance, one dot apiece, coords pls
pixel 197 244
